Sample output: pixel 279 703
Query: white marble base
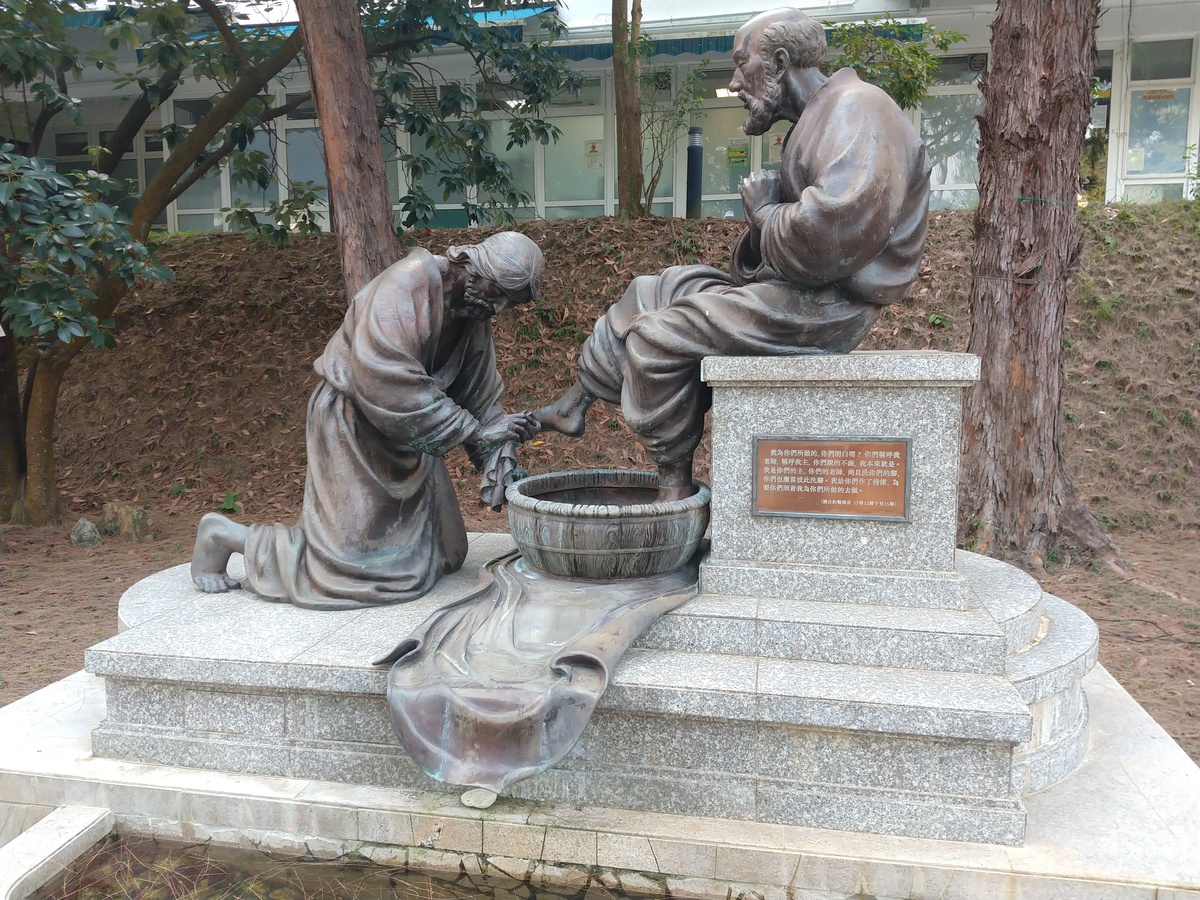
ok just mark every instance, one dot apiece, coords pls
pixel 1125 826
pixel 45 850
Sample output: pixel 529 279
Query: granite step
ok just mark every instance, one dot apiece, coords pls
pixel 892 637
pixel 1012 597
pixel 1048 675
pixel 1005 615
pixel 813 694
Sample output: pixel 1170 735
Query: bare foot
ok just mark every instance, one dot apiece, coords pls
pixel 217 538
pixel 214 583
pixel 567 415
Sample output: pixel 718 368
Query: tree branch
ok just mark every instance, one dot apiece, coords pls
pixel 154 198
pixel 227 146
pixel 37 130
pixel 231 41
pixel 135 117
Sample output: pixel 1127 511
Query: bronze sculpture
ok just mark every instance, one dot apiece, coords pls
pixel 832 238
pixel 410 374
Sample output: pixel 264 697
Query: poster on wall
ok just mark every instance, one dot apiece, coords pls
pixel 593 154
pixel 775 148
pixel 737 154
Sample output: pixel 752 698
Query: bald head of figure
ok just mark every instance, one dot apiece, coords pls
pixel 763 50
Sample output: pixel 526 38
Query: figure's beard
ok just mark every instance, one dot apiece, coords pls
pixel 475 306
pixel 763 111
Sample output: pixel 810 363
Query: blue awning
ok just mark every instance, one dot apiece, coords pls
pixel 508 16
pixel 90 18
pixel 704 46
pixel 699 46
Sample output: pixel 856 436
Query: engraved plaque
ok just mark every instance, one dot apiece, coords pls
pixel 838 477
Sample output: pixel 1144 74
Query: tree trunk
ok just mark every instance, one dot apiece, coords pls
pixel 358 190
pixel 1015 490
pixel 40 504
pixel 627 84
pixel 12 430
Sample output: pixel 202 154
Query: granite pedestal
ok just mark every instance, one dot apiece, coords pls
pixel 836 674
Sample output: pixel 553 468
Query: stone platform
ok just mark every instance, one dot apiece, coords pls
pixel 920 722
pixel 1125 826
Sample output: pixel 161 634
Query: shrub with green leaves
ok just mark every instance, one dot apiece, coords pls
pixel 59 235
pixel 900 58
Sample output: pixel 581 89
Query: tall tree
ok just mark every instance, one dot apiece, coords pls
pixel 240 63
pixel 627 92
pixel 1036 107
pixel 345 99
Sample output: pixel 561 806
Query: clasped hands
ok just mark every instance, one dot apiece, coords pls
pixel 760 189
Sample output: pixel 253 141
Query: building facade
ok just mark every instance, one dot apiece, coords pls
pixel 1146 122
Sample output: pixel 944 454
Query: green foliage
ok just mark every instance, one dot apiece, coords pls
pixel 939 319
pixel 899 58
pixel 35 59
pixel 455 141
pixel 283 218
pixel 665 112
pixel 230 503
pixel 60 235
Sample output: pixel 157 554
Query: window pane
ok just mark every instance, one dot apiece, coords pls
pixel 1158 121
pixel 305 155
pixel 951 137
pixel 200 222
pixel 575 164
pixel 722 209
pixel 1102 92
pixel 71 144
pixel 715 84
pixel 589 95
pixel 496 97
pixel 726 151
pixel 518 159
pixel 574 212
pixel 1162 59
pixel 125 173
pixel 190 112
pixel 204 194
pixel 253 195
pixel 1153 193
pixel 449 218
pixel 307 110
pixel 520 214
pixel 429 180
pixel 106 136
pixel 960 69
pixel 665 208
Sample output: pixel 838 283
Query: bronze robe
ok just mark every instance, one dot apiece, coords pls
pixel 380 522
pixel 844 240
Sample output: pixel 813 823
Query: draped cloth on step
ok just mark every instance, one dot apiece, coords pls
pixel 498 686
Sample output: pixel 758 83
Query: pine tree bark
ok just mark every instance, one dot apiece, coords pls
pixel 1015 491
pixel 358 191
pixel 627 75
